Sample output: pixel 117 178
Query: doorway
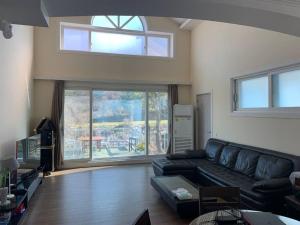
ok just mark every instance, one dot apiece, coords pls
pixel 204 119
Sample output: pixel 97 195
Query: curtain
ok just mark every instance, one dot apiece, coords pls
pixel 172 100
pixel 56 117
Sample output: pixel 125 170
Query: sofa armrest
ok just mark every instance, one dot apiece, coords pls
pixel 272 185
pixel 176 156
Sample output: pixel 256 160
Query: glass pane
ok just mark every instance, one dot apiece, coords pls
pixel 118 43
pixel 253 93
pixel 134 24
pixel 34 144
pixel 114 19
pixel 118 124
pixel 124 19
pixel 158 46
pixel 21 149
pixel 158 123
pixel 76 39
pixel 76 124
pixel 102 21
pixel 287 89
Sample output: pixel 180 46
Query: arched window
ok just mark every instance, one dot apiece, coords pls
pixel 133 23
pixel 125 35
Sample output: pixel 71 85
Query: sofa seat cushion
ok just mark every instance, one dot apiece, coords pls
pixel 182 164
pixel 231 178
pixel 269 167
pixel 246 162
pixel 228 156
pixel 272 184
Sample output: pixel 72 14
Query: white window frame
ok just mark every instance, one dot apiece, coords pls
pixel 89 86
pixel 142 19
pixel 271 110
pixel 90 28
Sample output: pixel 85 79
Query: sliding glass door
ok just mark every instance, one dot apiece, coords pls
pixel 158 123
pixel 105 124
pixel 77 124
pixel 118 124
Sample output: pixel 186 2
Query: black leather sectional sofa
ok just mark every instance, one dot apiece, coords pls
pixel 261 174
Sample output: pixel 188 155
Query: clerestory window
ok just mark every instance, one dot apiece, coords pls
pixel 125 35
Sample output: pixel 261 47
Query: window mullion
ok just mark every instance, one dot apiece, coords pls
pixel 91 124
pixel 90 40
pixel 62 34
pixel 112 22
pixel 271 104
pixel 147 123
pixel 169 47
pixel 126 22
pixel 146 45
pixel 234 95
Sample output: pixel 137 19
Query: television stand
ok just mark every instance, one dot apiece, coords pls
pixel 28 182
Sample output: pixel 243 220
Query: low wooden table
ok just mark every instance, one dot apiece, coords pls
pixel 185 208
pixel 86 142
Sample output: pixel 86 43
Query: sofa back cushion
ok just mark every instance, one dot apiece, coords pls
pixel 246 162
pixel 228 156
pixel 213 150
pixel 269 167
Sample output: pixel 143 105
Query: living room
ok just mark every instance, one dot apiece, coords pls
pixel 113 101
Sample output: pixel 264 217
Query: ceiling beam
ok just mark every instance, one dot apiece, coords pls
pixel 185 23
pixel 25 12
pixel 213 10
pixel 271 15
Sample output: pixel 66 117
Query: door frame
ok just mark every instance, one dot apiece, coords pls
pixel 211 115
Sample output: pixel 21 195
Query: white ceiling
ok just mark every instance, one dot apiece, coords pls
pixel 277 15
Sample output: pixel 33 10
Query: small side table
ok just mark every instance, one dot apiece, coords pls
pixel 292 206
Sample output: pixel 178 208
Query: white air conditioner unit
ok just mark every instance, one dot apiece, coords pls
pixel 183 128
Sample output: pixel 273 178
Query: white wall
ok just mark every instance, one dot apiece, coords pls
pixel 51 64
pixel 221 51
pixel 42 100
pixel 16 57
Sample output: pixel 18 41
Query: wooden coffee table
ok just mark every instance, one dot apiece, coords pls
pixel 164 186
pixel 184 208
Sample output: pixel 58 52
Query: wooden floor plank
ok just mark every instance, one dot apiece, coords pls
pixel 108 196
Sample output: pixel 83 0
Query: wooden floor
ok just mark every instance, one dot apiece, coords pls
pixel 103 196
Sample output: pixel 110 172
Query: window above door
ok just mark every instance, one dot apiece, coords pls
pixel 118 35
